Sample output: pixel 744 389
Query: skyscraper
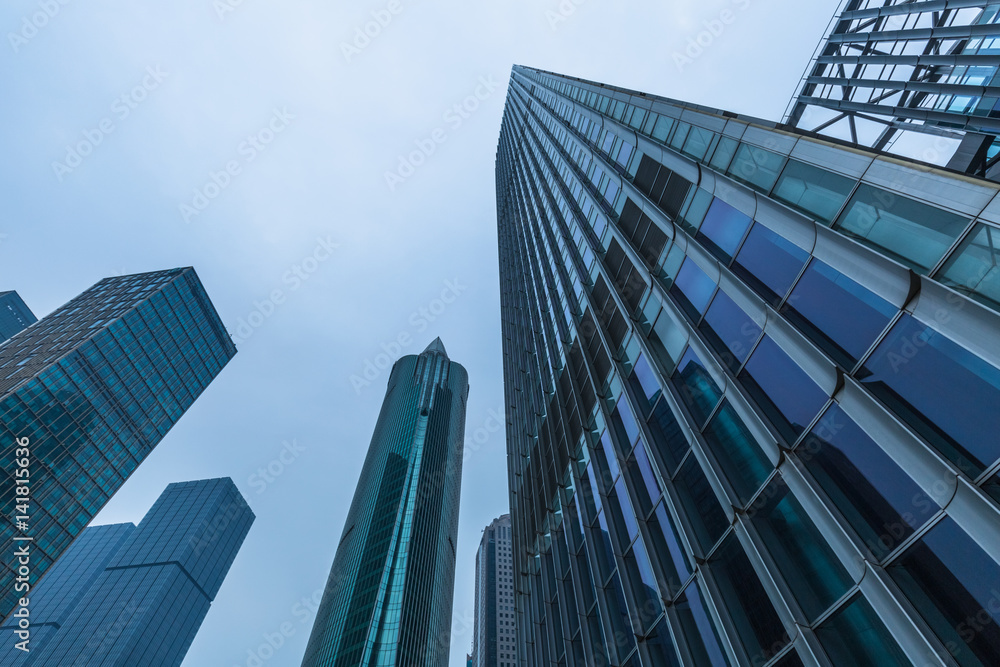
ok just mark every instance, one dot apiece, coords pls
pixel 494 642
pixel 123 595
pixel 892 67
pixel 15 316
pixel 93 388
pixel 751 379
pixel 389 595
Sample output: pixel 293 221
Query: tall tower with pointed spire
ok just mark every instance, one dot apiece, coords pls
pixel 389 595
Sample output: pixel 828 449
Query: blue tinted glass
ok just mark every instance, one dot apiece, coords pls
pixel 856 636
pixel 626 430
pixel 644 384
pixel 666 548
pixel 769 263
pixel 881 501
pixel 837 313
pixel 784 392
pixel 729 330
pixel 668 439
pixel 723 229
pixel 947 393
pixel 692 289
pixel 607 461
pixel 815 191
pixel 700 503
pixel 955 586
pixel 696 387
pixel 699 631
pixel 737 451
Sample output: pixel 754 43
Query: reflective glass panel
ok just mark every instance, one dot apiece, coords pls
pixel 692 289
pixel 814 191
pixel 697 389
pixel 769 263
pixel 729 330
pixel 974 269
pixel 856 636
pixel 737 452
pixel 723 229
pixel 700 503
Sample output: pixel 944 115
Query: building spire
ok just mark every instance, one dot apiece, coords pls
pixel 436 346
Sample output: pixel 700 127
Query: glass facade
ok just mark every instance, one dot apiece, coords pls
pixel 752 411
pixel 888 67
pixel 123 595
pixel 494 640
pixel 94 387
pixel 388 600
pixel 15 316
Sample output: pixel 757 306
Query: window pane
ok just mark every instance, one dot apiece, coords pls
pixel 809 566
pixel 723 229
pixel 741 458
pixel 729 330
pixel 756 167
pixel 626 430
pixel 789 397
pixel 913 233
pixel 744 597
pixel 661 647
pixel 975 267
pixel 790 660
pixel 817 306
pixel 624 637
pixel 700 503
pixel 954 585
pixel 856 636
pixel 666 549
pixel 697 388
pixel 769 263
pixel 642 480
pixel 668 439
pixel 699 631
pixel 645 384
pixel 948 394
pixel 814 191
pixel 643 584
pixel 692 289
pixel 883 504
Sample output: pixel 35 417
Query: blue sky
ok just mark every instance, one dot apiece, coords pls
pixel 272 148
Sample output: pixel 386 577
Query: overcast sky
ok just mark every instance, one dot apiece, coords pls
pixel 252 140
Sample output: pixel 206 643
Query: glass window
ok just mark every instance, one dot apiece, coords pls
pixel 809 566
pixel 729 330
pixel 693 216
pixel 954 585
pixel 623 515
pixel 698 143
pixel 698 629
pixel 625 427
pixel 790 660
pixel 915 234
pixel 667 436
pixel 737 452
pixel 624 636
pixel 607 461
pixel 724 153
pixel 697 389
pixel 668 341
pixel 789 397
pixel 818 304
pixel 756 167
pixel 769 263
pixel 700 503
pixel 660 646
pixel 692 289
pixel 814 191
pixel 744 597
pixel 948 394
pixel 856 636
pixel 666 548
pixel 642 479
pixel 644 384
pixel 723 229
pixel 881 501
pixel 643 584
pixel 974 269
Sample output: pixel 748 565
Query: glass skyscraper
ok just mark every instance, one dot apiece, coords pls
pixel 494 641
pixel 751 380
pixel 892 67
pixel 388 599
pixel 15 316
pixel 93 387
pixel 123 595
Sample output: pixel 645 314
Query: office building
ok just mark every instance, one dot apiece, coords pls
pixel 891 71
pixel 93 387
pixel 388 599
pixel 751 378
pixel 494 642
pixel 123 595
pixel 15 316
